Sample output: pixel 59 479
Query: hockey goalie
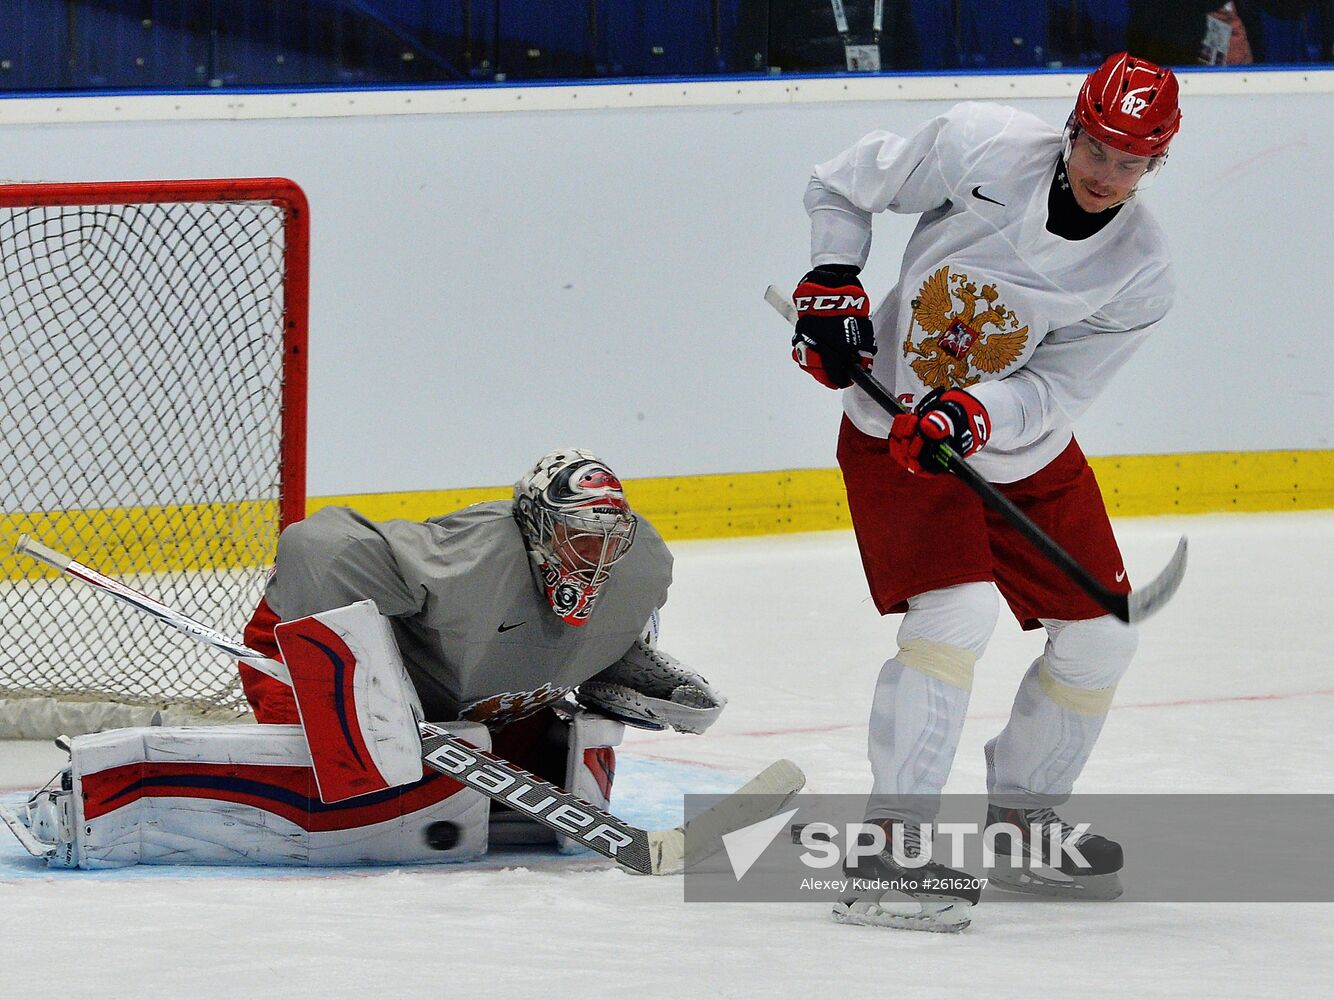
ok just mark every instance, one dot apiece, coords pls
pixel 527 627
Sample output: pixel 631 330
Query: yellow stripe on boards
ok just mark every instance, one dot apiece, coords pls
pixel 1213 482
pixel 167 539
pixel 749 503
pixel 714 506
pixel 121 540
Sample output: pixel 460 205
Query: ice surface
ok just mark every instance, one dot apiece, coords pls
pixel 1231 691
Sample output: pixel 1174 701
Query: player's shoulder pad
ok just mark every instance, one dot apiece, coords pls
pixel 645 530
pixel 475 514
pixel 981 140
pixel 323 535
pixel 649 553
pixel 977 122
pixel 646 569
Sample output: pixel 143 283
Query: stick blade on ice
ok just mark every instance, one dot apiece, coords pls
pixel 759 798
pixel 1146 601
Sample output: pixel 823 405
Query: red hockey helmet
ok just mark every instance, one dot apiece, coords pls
pixel 1130 104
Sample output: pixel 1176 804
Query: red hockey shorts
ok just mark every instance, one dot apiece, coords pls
pixel 920 533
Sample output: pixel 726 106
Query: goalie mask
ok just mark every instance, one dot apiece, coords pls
pixel 576 524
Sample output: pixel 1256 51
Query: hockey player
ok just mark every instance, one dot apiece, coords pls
pixel 526 626
pixel 502 610
pixel 1032 275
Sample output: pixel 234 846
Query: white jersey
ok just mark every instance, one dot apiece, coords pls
pixel 1032 324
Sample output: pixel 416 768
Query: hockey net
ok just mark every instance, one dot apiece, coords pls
pixel 152 375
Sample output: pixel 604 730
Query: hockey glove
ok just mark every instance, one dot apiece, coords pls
pixel 944 416
pixel 833 325
pixel 652 689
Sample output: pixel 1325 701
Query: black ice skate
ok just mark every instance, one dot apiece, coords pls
pixel 883 893
pixel 1023 863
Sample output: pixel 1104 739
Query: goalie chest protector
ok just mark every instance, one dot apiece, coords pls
pixel 477 635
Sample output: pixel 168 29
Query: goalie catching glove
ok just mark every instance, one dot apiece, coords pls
pixel 650 689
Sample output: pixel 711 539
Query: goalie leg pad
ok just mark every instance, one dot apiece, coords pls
pixel 357 705
pixel 651 689
pixel 588 739
pixel 242 795
pixel 590 764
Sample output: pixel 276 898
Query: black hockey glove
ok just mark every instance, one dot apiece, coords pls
pixel 833 325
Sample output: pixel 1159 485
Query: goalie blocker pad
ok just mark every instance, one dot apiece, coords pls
pixel 241 795
pixel 651 689
pixel 356 702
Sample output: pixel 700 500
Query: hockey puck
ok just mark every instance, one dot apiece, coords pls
pixel 442 836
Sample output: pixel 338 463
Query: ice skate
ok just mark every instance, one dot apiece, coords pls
pixel 1098 879
pixel 883 893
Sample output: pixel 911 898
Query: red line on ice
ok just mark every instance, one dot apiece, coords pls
pixel 1178 703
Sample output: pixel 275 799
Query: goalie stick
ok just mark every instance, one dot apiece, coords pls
pixel 646 852
pixel 1136 606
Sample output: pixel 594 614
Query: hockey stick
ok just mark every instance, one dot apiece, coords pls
pixel 1136 606
pixel 647 852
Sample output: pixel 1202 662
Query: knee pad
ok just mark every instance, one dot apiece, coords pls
pixel 946 631
pixel 1094 653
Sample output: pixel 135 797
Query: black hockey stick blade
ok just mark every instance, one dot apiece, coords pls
pixel 1133 607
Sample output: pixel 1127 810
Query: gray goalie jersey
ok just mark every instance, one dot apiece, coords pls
pixel 477 635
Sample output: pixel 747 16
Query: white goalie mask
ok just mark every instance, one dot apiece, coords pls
pixel 576 524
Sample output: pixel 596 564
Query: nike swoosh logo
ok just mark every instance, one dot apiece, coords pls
pixel 977 193
pixel 1120 576
pixel 502 627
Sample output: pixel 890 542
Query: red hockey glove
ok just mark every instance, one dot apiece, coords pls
pixel 944 416
pixel 833 325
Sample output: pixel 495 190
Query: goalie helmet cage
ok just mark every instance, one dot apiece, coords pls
pixel 153 382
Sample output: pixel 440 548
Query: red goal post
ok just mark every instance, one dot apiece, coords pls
pixel 153 403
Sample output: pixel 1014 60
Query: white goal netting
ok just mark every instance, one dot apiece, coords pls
pixel 152 351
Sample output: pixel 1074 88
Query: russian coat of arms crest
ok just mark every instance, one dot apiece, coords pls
pixel 960 343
